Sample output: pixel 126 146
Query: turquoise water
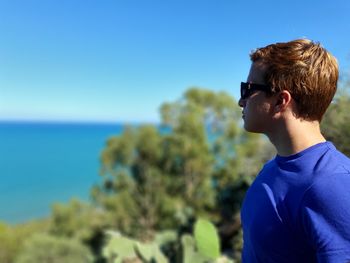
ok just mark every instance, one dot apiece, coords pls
pixel 44 163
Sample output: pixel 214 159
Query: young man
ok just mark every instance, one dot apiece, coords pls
pixel 298 208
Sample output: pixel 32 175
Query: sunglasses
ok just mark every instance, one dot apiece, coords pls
pixel 247 89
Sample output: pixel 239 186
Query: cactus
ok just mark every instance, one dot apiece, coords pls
pixel 118 248
pixel 150 253
pixel 204 247
pixel 190 255
pixel 165 237
pixel 207 239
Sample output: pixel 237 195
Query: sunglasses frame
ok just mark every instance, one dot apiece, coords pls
pixel 247 89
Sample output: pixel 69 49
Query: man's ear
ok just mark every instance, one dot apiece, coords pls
pixel 283 100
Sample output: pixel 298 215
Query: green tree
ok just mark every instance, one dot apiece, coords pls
pixel 133 191
pixel 12 237
pixel 49 249
pixel 76 219
pixel 82 222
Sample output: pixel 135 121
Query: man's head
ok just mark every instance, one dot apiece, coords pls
pixel 304 69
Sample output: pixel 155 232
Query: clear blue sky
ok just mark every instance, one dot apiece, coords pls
pixel 119 60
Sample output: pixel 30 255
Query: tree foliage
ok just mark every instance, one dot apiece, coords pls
pixel 76 219
pixel 45 248
pixel 336 122
pixel 12 237
pixel 82 222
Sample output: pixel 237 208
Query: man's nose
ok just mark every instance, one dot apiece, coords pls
pixel 241 102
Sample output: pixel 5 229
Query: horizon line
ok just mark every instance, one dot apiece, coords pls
pixel 77 121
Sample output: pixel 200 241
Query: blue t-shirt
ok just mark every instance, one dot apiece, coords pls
pixel 298 209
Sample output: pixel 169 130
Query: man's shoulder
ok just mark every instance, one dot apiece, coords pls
pixel 325 215
pixel 331 177
pixel 335 161
pixel 270 164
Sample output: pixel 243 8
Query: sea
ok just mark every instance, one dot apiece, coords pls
pixel 42 163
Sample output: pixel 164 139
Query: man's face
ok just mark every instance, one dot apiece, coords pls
pixel 257 108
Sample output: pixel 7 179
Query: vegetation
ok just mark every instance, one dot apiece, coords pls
pixel 336 122
pixel 12 238
pixel 50 249
pixel 160 187
pixel 204 246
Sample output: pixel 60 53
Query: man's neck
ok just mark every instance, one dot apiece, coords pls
pixel 293 136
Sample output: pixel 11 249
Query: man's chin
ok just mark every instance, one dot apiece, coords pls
pixel 251 129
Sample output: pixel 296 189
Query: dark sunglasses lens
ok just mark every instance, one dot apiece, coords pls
pixel 244 91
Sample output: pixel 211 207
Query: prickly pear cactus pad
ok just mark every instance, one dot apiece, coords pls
pixel 207 239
